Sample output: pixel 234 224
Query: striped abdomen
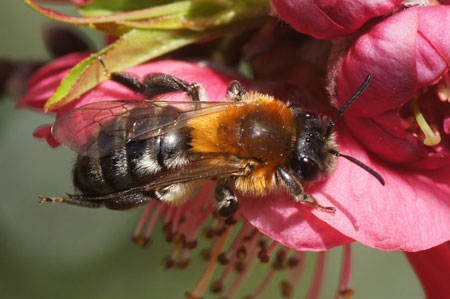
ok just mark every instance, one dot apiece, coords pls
pixel 131 164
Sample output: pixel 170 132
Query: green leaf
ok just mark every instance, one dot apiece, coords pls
pixel 105 7
pixel 133 48
pixel 148 29
pixel 147 13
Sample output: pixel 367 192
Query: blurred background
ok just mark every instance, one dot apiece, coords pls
pixel 56 251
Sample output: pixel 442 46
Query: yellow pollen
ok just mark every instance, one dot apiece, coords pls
pixel 431 138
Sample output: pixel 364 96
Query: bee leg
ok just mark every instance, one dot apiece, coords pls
pixel 235 91
pixel 297 191
pixel 225 200
pixel 123 200
pixel 157 84
pixel 128 200
pixel 72 200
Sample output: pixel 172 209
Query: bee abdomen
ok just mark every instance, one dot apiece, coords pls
pixel 131 164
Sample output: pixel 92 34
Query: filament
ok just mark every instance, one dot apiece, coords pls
pixel 346 272
pixel 314 291
pixel 209 271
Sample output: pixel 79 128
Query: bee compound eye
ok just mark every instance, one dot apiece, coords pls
pixel 306 168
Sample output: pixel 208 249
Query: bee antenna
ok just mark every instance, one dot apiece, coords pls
pixel 360 164
pixel 347 104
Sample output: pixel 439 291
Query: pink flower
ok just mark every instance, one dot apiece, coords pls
pixel 330 19
pixel 410 213
pixel 432 266
pixel 404 116
pixel 248 243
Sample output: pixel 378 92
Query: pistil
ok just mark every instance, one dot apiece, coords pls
pixel 431 138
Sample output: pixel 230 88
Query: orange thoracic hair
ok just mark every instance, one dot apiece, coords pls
pixel 260 128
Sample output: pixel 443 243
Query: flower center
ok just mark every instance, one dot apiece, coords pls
pixel 427 117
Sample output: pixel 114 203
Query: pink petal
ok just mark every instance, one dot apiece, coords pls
pixel 410 213
pixel 383 136
pixel 387 51
pixel 45 132
pixel 432 266
pixel 291 224
pixel 45 81
pixel 433 44
pixel 403 52
pixel 329 19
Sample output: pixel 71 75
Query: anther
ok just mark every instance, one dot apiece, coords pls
pixel 140 240
pixel 263 256
pixel 216 287
pixel 286 289
pixel 292 262
pixel 241 253
pixel 223 259
pixel 168 263
pixel 183 264
pixel 205 254
pixel 190 245
pixel 347 293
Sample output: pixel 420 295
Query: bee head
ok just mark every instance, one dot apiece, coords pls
pixel 315 153
pixel 312 159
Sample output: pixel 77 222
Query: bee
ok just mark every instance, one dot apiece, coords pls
pixel 131 152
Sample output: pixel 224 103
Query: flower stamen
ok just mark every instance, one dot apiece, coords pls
pixel 314 290
pixel 137 237
pixel 287 286
pixel 443 88
pixel 246 265
pixel 209 270
pixel 344 284
pixel 431 138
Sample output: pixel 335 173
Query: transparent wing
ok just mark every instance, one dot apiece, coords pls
pixel 201 169
pixel 198 170
pixel 96 129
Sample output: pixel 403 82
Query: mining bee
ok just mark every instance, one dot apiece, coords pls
pixel 131 152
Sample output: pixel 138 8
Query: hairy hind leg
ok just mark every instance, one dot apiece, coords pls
pixel 123 200
pixel 157 84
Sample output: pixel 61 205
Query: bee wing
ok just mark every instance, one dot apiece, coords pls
pixel 96 129
pixel 197 170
